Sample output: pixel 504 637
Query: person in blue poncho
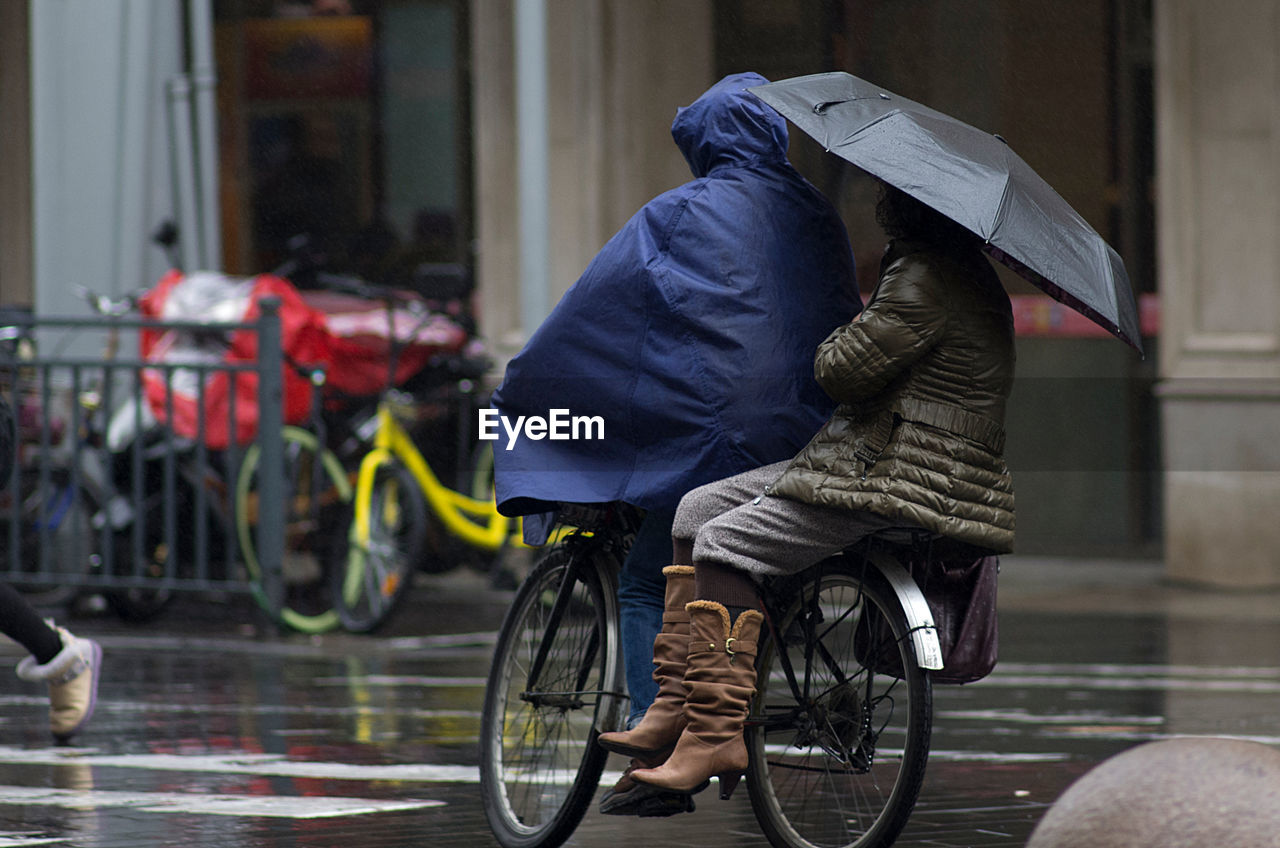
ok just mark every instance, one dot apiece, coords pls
pixel 690 337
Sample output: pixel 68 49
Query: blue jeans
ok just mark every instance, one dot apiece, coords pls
pixel 641 597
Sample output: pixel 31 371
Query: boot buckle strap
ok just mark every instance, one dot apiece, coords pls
pixel 732 646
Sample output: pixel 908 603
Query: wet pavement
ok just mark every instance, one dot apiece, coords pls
pixel 215 730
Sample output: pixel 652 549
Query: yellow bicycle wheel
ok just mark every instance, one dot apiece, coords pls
pixel 385 544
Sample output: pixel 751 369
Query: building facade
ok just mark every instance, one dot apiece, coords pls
pixel 394 131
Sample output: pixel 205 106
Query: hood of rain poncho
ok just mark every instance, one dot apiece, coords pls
pixel 689 339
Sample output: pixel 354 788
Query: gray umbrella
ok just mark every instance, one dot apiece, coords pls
pixel 974 178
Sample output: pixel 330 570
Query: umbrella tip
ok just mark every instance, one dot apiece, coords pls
pixel 1001 139
pixel 884 96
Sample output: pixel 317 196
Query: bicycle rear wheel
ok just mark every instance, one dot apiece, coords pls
pixel 385 544
pixel 839 732
pixel 317 512
pixel 135 604
pixel 547 698
pixel 53 528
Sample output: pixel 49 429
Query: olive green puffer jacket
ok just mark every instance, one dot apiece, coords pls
pixel 921 378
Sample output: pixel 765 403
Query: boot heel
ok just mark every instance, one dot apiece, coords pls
pixel 728 783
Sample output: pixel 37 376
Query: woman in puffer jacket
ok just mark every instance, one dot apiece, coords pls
pixel 921 377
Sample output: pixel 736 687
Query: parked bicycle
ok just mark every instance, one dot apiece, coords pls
pixel 170 510
pixel 838 733
pixel 404 515
pixel 121 459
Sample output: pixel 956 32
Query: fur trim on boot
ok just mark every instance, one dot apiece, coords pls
pixel 73 682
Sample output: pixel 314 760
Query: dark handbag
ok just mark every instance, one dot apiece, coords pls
pixel 962 597
pixel 961 594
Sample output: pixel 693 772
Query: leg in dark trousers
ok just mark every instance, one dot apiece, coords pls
pixel 641 587
pixel 21 623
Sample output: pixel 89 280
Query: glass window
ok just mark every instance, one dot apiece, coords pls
pixel 344 122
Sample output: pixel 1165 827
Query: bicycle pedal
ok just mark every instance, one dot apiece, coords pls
pixel 665 806
pixel 647 802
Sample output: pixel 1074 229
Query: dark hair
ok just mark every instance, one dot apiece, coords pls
pixel 901 216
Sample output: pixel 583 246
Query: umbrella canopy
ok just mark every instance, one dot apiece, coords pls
pixel 974 178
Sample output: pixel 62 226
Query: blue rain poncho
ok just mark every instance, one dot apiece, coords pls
pixel 690 337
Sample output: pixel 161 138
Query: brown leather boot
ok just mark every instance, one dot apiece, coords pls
pixel 658 731
pixel 720 676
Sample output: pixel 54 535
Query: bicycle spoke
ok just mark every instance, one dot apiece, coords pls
pixel 823 773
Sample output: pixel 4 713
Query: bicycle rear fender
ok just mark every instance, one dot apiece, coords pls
pixel 924 635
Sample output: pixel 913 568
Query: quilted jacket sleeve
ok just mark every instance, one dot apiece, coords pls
pixel 905 318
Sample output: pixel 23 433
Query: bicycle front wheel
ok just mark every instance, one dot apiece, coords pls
pixel 839 732
pixel 386 543
pixel 552 687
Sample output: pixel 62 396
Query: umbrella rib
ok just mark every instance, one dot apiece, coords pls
pixel 862 129
pixel 998 220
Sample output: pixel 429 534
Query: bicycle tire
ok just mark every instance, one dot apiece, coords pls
pixel 540 765
pixel 133 604
pixel 53 529
pixel 137 605
pixel 317 513
pixel 382 551
pixel 841 765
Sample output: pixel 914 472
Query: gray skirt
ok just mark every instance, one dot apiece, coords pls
pixel 733 522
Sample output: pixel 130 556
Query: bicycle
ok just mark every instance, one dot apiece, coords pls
pixel 169 509
pixel 838 732
pixel 399 498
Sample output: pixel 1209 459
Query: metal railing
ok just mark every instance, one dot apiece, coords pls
pixel 104 496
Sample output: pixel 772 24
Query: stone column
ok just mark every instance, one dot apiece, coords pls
pixel 1218 147
pixel 617 71
pixel 15 154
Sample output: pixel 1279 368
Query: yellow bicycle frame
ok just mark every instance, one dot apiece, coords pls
pixel 476 522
